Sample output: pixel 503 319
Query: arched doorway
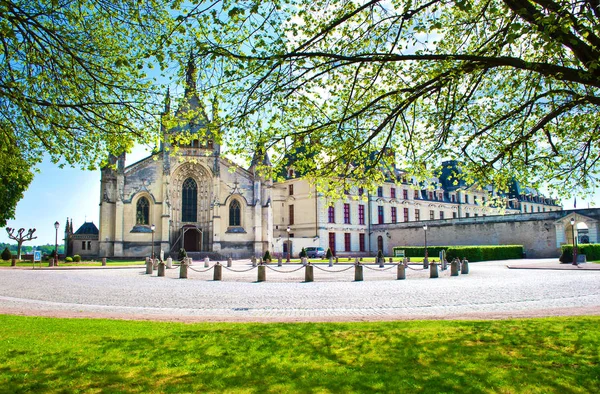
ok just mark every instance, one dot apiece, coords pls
pixel 192 238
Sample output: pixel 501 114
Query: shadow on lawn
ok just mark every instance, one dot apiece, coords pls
pixel 472 357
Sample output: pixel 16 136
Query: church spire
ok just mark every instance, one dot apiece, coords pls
pixel 167 102
pixel 190 77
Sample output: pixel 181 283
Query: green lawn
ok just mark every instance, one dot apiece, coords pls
pixel 508 356
pixel 6 263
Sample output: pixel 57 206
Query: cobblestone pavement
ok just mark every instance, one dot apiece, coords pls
pixel 490 290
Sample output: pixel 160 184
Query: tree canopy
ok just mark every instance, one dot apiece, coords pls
pixel 509 88
pixel 74 83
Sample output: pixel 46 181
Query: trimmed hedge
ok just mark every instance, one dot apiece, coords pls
pixel 471 253
pixel 591 252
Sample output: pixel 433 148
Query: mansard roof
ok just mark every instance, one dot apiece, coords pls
pixel 87 228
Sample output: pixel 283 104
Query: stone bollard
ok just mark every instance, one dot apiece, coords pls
pixel 279 261
pixel 391 260
pixel 309 274
pixel 13 262
pixel 183 269
pixel 405 262
pixel 465 267
pixel 218 274
pixel 51 262
pixel 454 268
pixel 433 270
pixel 104 261
pixel 149 267
pixel 253 260
pixel 401 271
pixel 382 262
pixel 331 261
pixel 161 268
pixel 358 273
pixel 337 260
pixel 262 273
pixel 229 261
pixel 206 262
pixel 444 265
pixel 169 263
pixel 425 263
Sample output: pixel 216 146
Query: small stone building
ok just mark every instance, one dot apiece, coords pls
pixel 84 241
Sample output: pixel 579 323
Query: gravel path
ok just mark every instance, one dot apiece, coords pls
pixel 491 290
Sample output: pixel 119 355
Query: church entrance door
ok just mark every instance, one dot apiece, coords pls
pixel 191 239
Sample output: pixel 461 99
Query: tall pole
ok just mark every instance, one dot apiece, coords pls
pixel 56 225
pixel 153 227
pixel 426 259
pixel 288 244
pixel 574 245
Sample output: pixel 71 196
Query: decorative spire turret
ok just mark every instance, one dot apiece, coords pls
pixel 190 77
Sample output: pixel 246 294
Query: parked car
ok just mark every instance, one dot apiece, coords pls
pixel 313 252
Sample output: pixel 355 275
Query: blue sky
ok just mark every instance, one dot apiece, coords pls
pixel 56 194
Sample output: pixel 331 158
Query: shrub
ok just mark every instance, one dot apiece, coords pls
pixel 471 253
pixel 328 254
pixel 267 256
pixel 182 254
pixel 68 259
pixel 303 253
pixel 591 252
pixel 6 255
pixel 77 258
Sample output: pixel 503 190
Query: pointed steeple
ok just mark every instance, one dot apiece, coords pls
pixel 190 77
pixel 167 102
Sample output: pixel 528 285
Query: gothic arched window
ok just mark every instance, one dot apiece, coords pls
pixel 189 201
pixel 142 211
pixel 235 213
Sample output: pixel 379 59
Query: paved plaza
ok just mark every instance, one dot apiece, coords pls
pixel 490 290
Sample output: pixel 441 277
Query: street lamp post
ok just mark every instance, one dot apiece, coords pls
pixel 426 259
pixel 56 225
pixel 574 244
pixel 288 244
pixel 153 227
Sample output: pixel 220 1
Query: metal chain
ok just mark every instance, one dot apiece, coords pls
pixel 285 272
pixel 323 269
pixel 206 270
pixel 232 270
pixel 377 269
pixel 415 269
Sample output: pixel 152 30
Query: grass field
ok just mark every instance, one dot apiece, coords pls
pixel 507 356
pixel 6 263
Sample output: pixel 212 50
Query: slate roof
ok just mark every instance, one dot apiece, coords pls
pixel 87 228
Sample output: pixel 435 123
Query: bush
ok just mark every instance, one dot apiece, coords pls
pixel 591 252
pixel 6 255
pixel 182 254
pixel 77 258
pixel 328 254
pixel 471 253
pixel 68 259
pixel 303 253
pixel 267 256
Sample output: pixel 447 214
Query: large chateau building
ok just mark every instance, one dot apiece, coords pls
pixel 189 196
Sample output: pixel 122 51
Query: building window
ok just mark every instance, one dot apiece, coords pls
pixel 417 215
pixel 476 215
pixel 332 242
pixel 89 245
pixel 393 192
pixel 347 243
pixel 361 242
pixel 466 198
pixel 405 194
pixel 361 191
pixel 475 200
pixel 467 215
pixel 442 215
pixel 441 196
pixel 394 217
pixel 291 189
pixel 380 191
pixel 189 201
pixel 331 214
pixel 453 198
pixel 142 211
pixel 235 217
pixel 406 214
pixel 290 173
pixel 431 195
pixel 346 213
pixel 361 214
pixel 416 194
pixel 454 215
pixel 380 214
pixel 431 215
pixel 82 245
pixel 291 214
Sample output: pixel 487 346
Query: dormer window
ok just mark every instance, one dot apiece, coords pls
pixel 290 173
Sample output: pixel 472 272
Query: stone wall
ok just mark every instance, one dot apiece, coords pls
pixel 541 234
